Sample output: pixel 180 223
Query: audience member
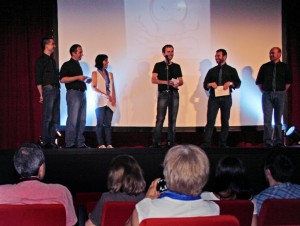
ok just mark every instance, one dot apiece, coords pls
pixel 125 183
pixel 29 162
pixel 279 169
pixel 186 170
pixel 230 182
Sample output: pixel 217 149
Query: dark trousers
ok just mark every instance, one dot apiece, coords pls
pixel 166 100
pixel 51 113
pixel 214 104
pixel 104 117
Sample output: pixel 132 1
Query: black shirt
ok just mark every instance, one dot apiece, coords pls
pixel 229 74
pixel 265 76
pixel 45 71
pixel 69 69
pixel 161 69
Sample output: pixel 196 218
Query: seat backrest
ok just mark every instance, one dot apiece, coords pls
pixel 221 220
pixel 279 212
pixel 32 215
pixel 241 209
pixel 117 213
pixel 90 206
pixel 82 198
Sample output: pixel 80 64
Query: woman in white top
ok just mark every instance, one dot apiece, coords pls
pixel 186 170
pixel 103 85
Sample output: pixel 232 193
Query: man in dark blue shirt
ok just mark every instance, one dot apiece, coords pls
pixel 168 76
pixel 47 82
pixel 72 75
pixel 273 79
pixel 220 80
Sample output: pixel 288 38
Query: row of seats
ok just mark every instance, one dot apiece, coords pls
pixel 233 212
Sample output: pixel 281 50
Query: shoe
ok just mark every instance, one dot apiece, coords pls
pixel 83 146
pixel 279 145
pixel 73 146
pixel 268 145
pixel 101 146
pixel 205 145
pixel 154 146
pixel 109 146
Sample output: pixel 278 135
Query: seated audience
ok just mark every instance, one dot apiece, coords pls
pixel 230 182
pixel 125 183
pixel 186 170
pixel 29 162
pixel 278 169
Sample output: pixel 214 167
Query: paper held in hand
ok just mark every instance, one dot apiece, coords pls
pixel 219 91
pixel 175 81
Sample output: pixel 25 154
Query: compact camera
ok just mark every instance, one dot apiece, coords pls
pixel 161 185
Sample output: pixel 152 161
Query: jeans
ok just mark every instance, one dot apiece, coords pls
pixel 104 118
pixel 166 100
pixel 214 104
pixel 270 101
pixel 51 113
pixel 76 101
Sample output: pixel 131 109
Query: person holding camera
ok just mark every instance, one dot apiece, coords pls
pixel 186 170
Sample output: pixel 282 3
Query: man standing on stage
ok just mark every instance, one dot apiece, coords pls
pixel 47 82
pixel 168 76
pixel 273 79
pixel 72 75
pixel 220 80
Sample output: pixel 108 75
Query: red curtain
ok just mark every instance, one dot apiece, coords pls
pixel 23 23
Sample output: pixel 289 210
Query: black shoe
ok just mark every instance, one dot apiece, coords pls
pixel 279 145
pixel 48 146
pixel 268 145
pixel 83 146
pixel 154 146
pixel 73 146
pixel 205 145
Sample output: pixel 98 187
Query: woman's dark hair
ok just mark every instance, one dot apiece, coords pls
pixel 230 177
pixel 125 175
pixel 99 61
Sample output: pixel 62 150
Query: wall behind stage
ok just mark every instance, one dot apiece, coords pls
pixel 132 33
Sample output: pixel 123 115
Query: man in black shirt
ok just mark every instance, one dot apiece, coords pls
pixel 72 75
pixel 168 76
pixel 226 78
pixel 273 79
pixel 47 82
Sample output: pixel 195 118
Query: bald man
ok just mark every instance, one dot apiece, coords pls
pixel 273 79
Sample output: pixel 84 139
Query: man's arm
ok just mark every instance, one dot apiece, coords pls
pixel 155 80
pixel 40 89
pixel 73 79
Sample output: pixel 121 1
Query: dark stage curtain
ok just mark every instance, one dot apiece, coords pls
pixel 22 25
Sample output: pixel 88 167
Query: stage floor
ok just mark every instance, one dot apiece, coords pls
pixel 85 170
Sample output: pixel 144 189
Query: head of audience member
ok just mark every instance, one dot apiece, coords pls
pixel 275 54
pixel 279 168
pixel 29 162
pixel 125 175
pixel 48 45
pixel 168 51
pixel 230 180
pixel 221 56
pixel 186 169
pixel 76 52
pixel 101 62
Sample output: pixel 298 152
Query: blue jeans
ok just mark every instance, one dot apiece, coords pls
pixel 76 101
pixel 214 104
pixel 166 100
pixel 51 113
pixel 270 101
pixel 104 117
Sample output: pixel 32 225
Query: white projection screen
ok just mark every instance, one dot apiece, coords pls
pixel 132 33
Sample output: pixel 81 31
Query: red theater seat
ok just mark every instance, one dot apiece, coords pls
pixel 241 209
pixel 32 215
pixel 222 220
pixel 279 212
pixel 117 213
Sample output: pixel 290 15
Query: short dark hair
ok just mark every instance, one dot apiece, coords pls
pixel 166 46
pixel 125 175
pixel 45 40
pixel 280 165
pixel 230 176
pixel 74 48
pixel 28 159
pixel 99 61
pixel 224 52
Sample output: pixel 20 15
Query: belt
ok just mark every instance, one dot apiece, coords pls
pixel 168 91
pixel 81 90
pixel 55 85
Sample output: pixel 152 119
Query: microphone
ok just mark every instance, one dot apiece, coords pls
pixel 167 58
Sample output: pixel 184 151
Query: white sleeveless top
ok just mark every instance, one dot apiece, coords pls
pixel 102 100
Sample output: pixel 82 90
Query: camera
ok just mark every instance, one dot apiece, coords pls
pixel 161 185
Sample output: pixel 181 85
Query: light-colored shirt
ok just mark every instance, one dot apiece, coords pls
pixel 36 192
